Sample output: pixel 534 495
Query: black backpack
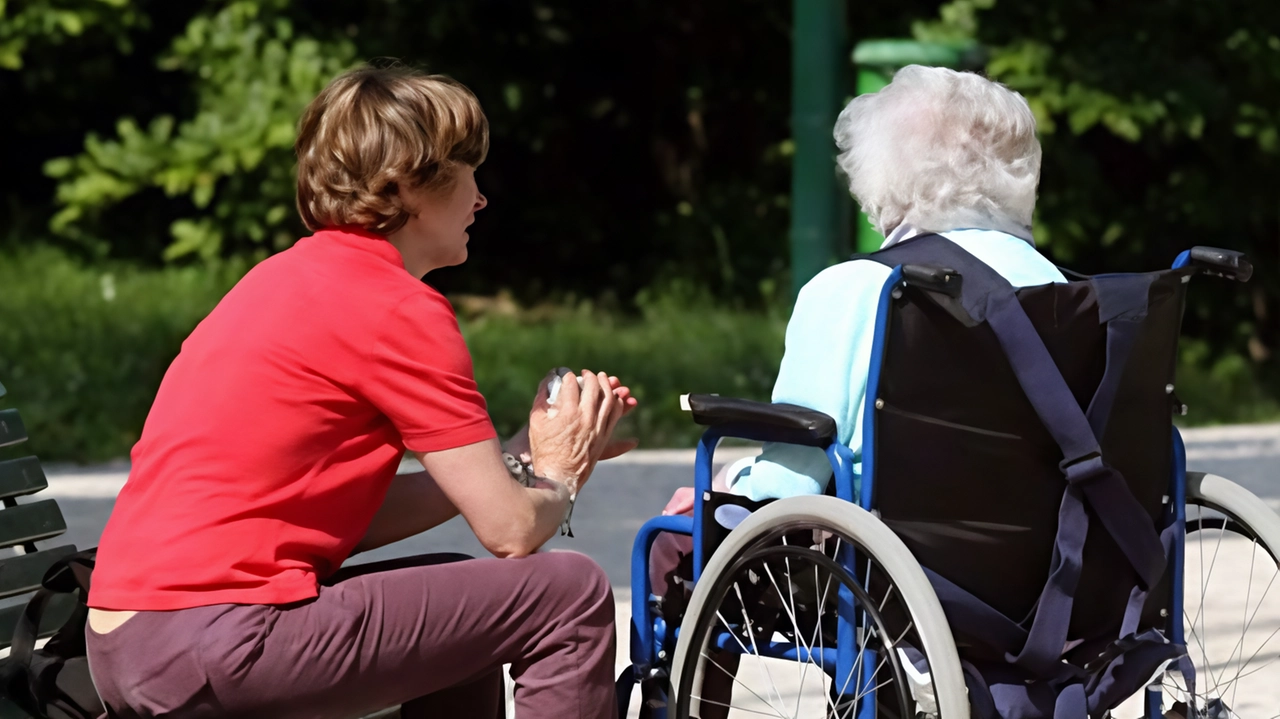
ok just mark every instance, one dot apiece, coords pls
pixel 53 682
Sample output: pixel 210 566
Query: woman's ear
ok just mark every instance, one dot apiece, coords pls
pixel 406 198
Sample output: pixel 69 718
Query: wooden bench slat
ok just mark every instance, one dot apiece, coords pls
pixel 12 430
pixel 21 476
pixel 31 523
pixel 56 614
pixel 22 574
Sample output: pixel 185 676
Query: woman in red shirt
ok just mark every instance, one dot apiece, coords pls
pixel 269 457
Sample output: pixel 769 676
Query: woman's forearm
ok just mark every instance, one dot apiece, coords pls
pixel 549 502
pixel 414 504
pixel 509 519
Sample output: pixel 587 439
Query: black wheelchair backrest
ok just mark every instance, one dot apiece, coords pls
pixel 965 469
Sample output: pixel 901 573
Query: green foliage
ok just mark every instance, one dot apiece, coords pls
pixel 251 75
pixel 632 145
pixel 1160 131
pixel 1221 389
pixel 82 349
pixel 647 145
pixel 57 22
pixel 678 345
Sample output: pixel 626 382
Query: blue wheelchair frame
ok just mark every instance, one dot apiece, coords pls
pixel 653 642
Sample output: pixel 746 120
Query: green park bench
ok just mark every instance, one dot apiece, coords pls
pixel 22 524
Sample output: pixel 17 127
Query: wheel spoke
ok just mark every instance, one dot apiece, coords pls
pixel 1259 650
pixel 867 692
pixel 801 667
pixel 857 672
pixel 888 593
pixel 699 699
pixel 1239 662
pixel 751 634
pixel 1200 613
pixel 757 571
pixel 1244 620
pixel 745 652
pixel 1204 581
pixel 1240 645
pixel 818 628
pixel 739 682
pixel 1255 670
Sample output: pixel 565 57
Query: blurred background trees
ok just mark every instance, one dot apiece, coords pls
pixel 641 148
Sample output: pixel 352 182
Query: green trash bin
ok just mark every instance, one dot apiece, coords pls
pixel 877 60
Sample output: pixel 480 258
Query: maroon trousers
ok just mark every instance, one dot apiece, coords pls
pixel 429 633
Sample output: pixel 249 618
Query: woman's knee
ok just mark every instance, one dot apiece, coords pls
pixel 580 568
pixel 578 576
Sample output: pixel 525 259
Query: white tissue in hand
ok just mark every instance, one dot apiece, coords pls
pixel 553 389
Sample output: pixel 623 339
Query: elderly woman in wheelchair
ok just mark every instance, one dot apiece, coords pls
pixel 1007 506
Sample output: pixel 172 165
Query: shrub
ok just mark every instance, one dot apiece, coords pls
pixel 83 349
pixel 672 348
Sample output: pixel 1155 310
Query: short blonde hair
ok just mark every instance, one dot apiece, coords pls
pixel 941 150
pixel 375 130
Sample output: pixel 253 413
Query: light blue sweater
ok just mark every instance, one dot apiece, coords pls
pixel 828 356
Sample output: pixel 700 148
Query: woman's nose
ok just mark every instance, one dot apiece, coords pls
pixel 481 202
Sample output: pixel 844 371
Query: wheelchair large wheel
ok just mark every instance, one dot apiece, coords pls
pixel 758 636
pixel 1231 603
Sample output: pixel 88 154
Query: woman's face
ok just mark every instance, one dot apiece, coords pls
pixel 436 234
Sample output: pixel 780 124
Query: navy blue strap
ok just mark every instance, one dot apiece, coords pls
pixel 975 616
pixel 981 704
pixel 1122 305
pixel 1172 535
pixel 988 297
pixel 1121 335
pixel 1072 703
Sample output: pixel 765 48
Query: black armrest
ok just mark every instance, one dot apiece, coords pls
pixel 943 280
pixel 1227 263
pixel 763 421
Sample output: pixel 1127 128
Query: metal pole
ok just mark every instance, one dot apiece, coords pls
pixel 819 202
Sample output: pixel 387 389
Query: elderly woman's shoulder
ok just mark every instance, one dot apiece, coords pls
pixel 846 279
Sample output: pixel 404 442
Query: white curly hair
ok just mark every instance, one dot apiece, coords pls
pixel 941 150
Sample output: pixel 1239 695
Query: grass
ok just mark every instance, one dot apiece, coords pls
pixel 83 349
pixel 672 348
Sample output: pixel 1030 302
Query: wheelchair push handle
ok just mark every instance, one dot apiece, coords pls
pixel 1230 264
pixel 932 278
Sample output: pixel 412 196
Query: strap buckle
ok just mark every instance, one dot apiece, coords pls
pixel 1084 469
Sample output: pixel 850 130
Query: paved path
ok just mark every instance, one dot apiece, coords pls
pixel 626 492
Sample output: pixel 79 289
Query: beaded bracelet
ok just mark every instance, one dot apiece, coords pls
pixel 522 472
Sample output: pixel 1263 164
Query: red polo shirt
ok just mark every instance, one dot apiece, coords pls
pixel 278 428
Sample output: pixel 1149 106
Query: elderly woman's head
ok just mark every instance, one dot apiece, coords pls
pixel 378 138
pixel 941 150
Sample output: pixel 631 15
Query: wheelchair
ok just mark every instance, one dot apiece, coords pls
pixel 1023 538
